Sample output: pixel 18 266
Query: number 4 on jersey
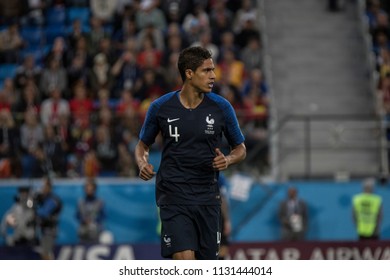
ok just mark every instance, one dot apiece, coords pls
pixel 175 135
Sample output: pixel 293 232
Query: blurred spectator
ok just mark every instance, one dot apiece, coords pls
pixel 206 42
pixel 227 43
pixel 148 13
pixel 193 32
pixel 31 137
pixel 175 30
pixel 9 146
pixel 381 41
pixel 150 32
pixel 149 56
pixel 373 10
pixel 27 70
pixel 99 75
pixel 58 52
pixel 53 107
pixel 90 165
pixel 81 107
pixel 221 24
pixel 106 48
pixel 198 15
pixel 48 209
pixel 120 36
pixel 54 154
pixel 77 72
pixel 127 167
pixel 171 75
pixel 106 151
pixel 233 95
pixel 367 212
pixel 127 72
pixel 103 10
pixel 11 42
pixel 255 82
pixel 18 222
pixel 252 55
pixel 35 13
pixel 10 92
pixel 230 69
pixel 246 10
pixel 64 134
pixel 5 99
pixel 248 31
pixel 293 216
pixel 95 35
pixel 382 25
pixel 80 51
pixel 220 10
pixel 152 84
pixel 127 103
pixel 53 78
pixel 75 34
pixel 81 152
pixel 176 10
pixel 125 11
pixel 90 214
pixel 105 144
pixel 29 99
pixel 174 41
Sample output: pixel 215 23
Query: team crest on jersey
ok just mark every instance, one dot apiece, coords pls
pixel 210 125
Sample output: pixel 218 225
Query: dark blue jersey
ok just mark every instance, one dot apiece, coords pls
pixel 190 137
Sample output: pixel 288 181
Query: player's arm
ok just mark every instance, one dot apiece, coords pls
pixel 142 158
pixel 237 154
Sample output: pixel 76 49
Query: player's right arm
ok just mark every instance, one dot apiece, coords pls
pixel 142 158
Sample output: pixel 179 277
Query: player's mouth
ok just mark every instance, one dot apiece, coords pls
pixel 211 85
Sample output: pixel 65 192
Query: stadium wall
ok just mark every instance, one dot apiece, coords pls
pixel 132 214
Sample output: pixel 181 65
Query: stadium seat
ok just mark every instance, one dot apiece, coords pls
pixel 39 53
pixel 7 70
pixel 81 13
pixel 56 16
pixel 33 36
pixel 54 31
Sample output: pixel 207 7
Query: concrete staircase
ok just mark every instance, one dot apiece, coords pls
pixel 322 101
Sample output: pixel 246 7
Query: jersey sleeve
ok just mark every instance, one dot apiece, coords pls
pixel 233 132
pixel 150 127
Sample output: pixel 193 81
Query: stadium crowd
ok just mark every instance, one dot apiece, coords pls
pixel 377 14
pixel 77 77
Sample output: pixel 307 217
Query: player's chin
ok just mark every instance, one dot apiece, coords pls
pixel 208 89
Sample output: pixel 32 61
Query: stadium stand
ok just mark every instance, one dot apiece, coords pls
pixel 78 50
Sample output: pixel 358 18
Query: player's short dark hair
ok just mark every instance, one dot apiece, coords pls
pixel 192 58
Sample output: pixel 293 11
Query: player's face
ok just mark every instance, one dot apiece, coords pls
pixel 204 77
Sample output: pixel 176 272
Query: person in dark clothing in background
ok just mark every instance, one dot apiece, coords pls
pixel 48 208
pixel 90 214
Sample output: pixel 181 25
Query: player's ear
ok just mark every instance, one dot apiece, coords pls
pixel 189 74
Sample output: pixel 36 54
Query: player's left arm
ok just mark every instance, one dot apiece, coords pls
pixel 222 162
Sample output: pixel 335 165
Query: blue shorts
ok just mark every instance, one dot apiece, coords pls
pixel 191 227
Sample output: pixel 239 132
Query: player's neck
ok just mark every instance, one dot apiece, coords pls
pixel 189 98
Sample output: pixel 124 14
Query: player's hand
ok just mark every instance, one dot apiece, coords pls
pixel 220 162
pixel 146 172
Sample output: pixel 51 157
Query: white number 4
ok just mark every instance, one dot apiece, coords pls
pixel 176 135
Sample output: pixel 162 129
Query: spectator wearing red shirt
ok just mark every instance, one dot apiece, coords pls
pixel 81 106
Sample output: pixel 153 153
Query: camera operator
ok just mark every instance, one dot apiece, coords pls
pixel 17 225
